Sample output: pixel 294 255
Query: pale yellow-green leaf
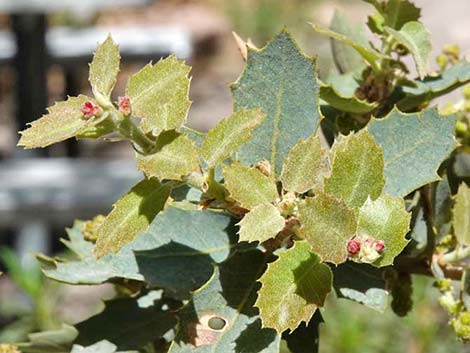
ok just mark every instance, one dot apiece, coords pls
pixel 224 139
pixel 260 224
pixel 159 95
pixel 327 224
pixel 357 169
pixel 461 215
pixel 63 120
pixel 305 166
pixel 175 156
pixel 104 68
pixel 385 219
pixel 249 186
pixel 131 215
pixel 292 288
pixel 417 39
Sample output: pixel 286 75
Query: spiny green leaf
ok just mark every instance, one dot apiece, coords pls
pixel 190 242
pixel 182 258
pixel 347 59
pixel 292 288
pixel 327 224
pixel 362 283
pixel 357 170
pixel 249 186
pixel 262 223
pixel 305 166
pixel 397 13
pixel 385 219
pixel 63 120
pixel 281 81
pixel 104 68
pixel 231 133
pixel 364 49
pixel 159 95
pixel 417 39
pixel 414 146
pixel 136 325
pixel 432 87
pixel 228 298
pixel 131 215
pixel 461 215
pixel 175 156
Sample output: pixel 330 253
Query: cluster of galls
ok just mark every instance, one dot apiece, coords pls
pixel 90 109
pixel 460 317
pixel 365 249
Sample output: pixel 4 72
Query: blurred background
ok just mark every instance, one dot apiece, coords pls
pixel 45 48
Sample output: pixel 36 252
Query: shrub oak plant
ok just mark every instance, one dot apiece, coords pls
pixel 233 239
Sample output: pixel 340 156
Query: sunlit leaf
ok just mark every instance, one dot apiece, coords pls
pixel 281 81
pixel 292 288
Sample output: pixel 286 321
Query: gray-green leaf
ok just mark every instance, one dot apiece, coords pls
pixel 227 299
pixel 281 81
pixel 414 146
pixel 417 39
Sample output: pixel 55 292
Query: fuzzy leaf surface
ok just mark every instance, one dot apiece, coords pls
pixel 159 95
pixel 136 327
pixel 105 67
pixel 176 253
pixel 292 288
pixel 364 49
pixel 62 121
pixel 260 224
pixel 432 87
pixel 131 215
pixel 417 39
pixel 346 58
pixel 231 133
pixel 327 224
pixel 175 156
pixel 361 283
pixel 461 215
pixel 248 185
pixel 414 146
pixel 385 219
pixel 357 169
pixel 228 296
pixel 281 81
pixel 304 167
pixel 191 242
